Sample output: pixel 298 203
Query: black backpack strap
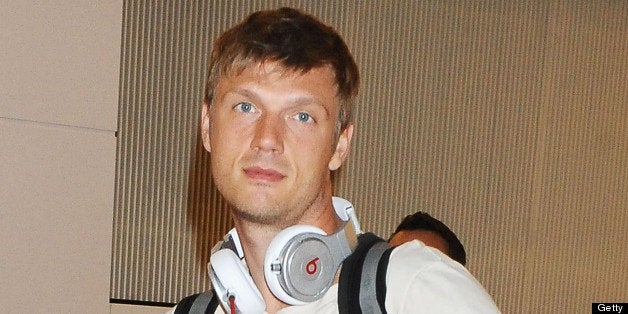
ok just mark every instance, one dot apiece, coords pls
pixel 373 281
pixel 362 282
pixel 200 303
pixel 380 284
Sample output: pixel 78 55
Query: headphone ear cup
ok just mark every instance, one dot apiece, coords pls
pixel 233 279
pixel 285 266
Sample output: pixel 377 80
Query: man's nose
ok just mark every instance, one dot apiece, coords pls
pixel 268 134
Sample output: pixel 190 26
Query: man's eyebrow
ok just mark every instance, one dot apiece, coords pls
pixel 305 100
pixel 239 92
pixel 243 92
pixel 308 101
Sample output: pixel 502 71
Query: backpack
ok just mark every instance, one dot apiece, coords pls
pixel 361 286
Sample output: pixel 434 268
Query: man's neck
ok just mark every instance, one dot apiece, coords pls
pixel 256 238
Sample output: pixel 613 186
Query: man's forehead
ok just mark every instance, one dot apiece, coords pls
pixel 313 85
pixel 273 67
pixel 274 70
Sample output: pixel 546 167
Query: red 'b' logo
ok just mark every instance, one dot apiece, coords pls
pixel 311 267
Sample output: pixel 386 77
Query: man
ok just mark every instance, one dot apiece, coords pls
pixel 432 232
pixel 276 120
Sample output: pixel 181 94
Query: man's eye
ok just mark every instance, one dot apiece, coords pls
pixel 304 117
pixel 245 107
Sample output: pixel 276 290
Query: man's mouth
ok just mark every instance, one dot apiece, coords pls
pixel 261 174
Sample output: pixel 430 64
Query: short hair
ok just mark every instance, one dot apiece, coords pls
pixel 423 221
pixel 297 41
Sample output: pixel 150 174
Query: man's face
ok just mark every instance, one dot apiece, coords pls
pixel 270 135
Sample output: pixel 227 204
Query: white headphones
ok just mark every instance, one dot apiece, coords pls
pixel 300 263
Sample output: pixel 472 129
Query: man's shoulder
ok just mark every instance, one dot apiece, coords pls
pixel 422 276
pixel 416 254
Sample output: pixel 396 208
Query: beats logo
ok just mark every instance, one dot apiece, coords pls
pixel 311 267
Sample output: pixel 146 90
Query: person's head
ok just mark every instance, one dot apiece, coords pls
pixel 296 41
pixel 432 232
pixel 277 114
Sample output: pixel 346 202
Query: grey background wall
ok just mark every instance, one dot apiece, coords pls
pixel 508 121
pixel 59 74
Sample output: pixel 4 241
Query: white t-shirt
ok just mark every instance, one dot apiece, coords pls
pixel 419 279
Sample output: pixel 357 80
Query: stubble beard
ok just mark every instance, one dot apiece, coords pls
pixel 267 215
pixel 276 213
pixel 273 214
pixel 266 209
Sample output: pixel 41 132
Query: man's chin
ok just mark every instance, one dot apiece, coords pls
pixel 258 210
pixel 263 216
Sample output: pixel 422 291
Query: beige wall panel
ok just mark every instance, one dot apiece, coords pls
pixel 60 61
pixel 136 309
pixel 577 250
pixel 56 189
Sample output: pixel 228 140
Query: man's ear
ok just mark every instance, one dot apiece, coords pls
pixel 205 122
pixel 342 148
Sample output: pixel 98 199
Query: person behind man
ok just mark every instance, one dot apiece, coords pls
pixel 432 232
pixel 277 120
